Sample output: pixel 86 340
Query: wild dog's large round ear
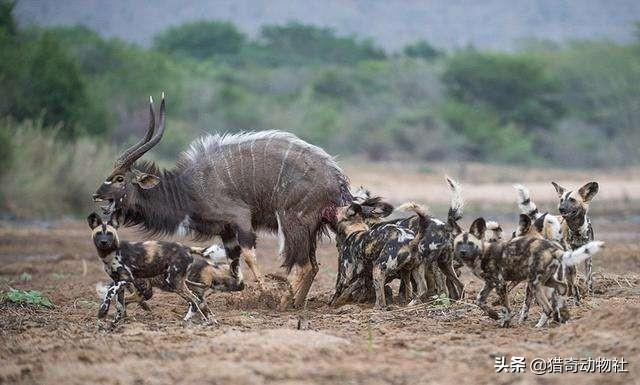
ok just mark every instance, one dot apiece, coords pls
pixel 524 223
pixel 588 191
pixel 354 209
pixel 455 228
pixel 478 228
pixel 94 220
pixel 376 208
pixel 559 189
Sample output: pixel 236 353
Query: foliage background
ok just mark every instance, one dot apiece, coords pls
pixel 71 98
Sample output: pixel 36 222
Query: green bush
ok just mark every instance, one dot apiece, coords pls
pixel 519 88
pixel 201 39
pixel 421 49
pixel 295 44
pixel 28 297
pixel 49 178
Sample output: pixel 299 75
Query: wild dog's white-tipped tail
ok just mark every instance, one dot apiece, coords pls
pixel 525 204
pixel 360 194
pixel 456 205
pixel 574 257
pixel 412 206
pixel 493 225
pixel 101 290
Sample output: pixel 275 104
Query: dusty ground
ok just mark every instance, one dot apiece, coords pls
pixel 354 344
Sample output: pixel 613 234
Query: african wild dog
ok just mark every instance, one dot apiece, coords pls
pixel 368 256
pixel 436 246
pixel 528 257
pixel 166 265
pixel 572 228
pixel 494 232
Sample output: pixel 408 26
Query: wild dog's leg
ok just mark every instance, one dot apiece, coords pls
pixel 121 309
pixel 103 310
pixel 542 321
pixel 431 279
pixel 141 291
pixel 247 241
pixel 588 264
pixel 481 301
pixel 526 305
pixel 114 288
pixel 570 274
pixel 418 276
pixel 501 289
pixel 406 288
pixel 542 299
pixel 457 287
pixel 378 284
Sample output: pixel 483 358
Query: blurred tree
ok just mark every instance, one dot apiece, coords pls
pixel 201 39
pixel 519 88
pixel 296 43
pixel 7 23
pixel 421 49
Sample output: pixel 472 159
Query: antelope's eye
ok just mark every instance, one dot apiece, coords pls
pixel 119 179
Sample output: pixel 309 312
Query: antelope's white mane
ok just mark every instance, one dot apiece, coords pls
pixel 212 142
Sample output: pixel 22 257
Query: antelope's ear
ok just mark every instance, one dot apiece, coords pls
pixel 94 220
pixel 559 189
pixel 478 228
pixel 146 181
pixel 524 222
pixel 588 191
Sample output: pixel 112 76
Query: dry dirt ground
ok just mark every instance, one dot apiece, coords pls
pixel 255 343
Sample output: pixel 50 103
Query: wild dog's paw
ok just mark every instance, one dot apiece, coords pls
pixel 505 318
pixel 103 310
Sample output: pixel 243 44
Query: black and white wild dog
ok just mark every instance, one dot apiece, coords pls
pixel 572 228
pixel 435 248
pixel 527 256
pixel 169 266
pixel 368 256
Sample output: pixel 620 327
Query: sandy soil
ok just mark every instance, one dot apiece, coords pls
pixel 256 344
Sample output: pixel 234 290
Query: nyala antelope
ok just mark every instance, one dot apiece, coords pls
pixel 528 257
pixel 170 266
pixel 572 228
pixel 232 186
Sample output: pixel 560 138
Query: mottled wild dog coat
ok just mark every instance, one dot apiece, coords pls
pixel 233 185
pixel 572 228
pixel 436 247
pixel 528 257
pixel 372 255
pixel 165 264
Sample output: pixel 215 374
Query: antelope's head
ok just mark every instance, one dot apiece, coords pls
pixel 124 182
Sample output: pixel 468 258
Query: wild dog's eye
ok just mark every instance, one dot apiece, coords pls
pixel 119 179
pixel 572 200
